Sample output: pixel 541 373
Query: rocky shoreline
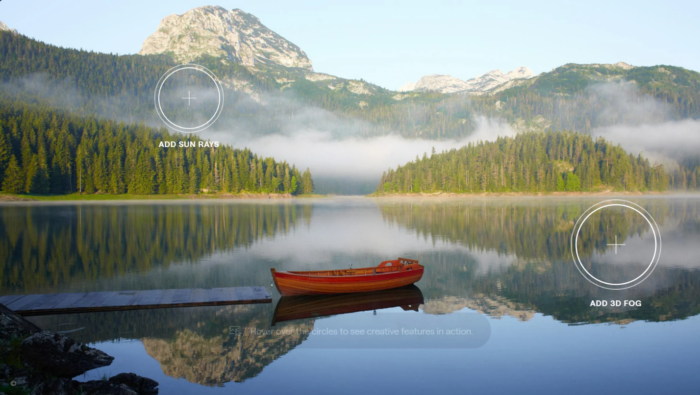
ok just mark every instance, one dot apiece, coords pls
pixel 33 361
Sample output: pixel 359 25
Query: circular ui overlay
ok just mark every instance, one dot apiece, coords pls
pixel 616 244
pixel 189 98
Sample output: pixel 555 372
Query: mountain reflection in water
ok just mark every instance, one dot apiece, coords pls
pixel 500 257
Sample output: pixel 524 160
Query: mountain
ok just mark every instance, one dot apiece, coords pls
pixel 217 32
pixel 478 85
pixel 3 27
pixel 264 95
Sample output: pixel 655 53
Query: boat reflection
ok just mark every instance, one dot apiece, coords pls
pixel 291 308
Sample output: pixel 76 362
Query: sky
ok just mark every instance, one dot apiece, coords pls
pixel 392 42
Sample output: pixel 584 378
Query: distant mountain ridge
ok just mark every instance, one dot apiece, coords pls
pixel 477 85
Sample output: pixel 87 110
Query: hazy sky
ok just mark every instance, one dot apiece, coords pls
pixel 390 43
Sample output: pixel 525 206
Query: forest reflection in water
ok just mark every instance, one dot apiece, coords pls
pixel 47 248
pixel 498 257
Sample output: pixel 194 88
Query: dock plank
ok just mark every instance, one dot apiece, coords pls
pixel 147 298
pixel 166 297
pixel 71 300
pixel 198 295
pixel 28 300
pixel 8 299
pixel 216 295
pixel 181 297
pixel 68 303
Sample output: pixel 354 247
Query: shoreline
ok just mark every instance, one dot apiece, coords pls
pixel 7 198
pixel 528 194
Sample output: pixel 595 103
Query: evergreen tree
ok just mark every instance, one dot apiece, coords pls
pixel 293 186
pixel 144 178
pixel 307 182
pixel 14 179
pixel 5 152
pixel 194 181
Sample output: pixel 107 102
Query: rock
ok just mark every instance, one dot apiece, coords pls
pixel 407 87
pixel 142 385
pixel 45 361
pixel 59 386
pixel 60 356
pixel 13 325
pixel 104 387
pixel 121 384
pixel 477 85
pixel 3 27
pixel 441 83
pixel 215 31
pixel 26 381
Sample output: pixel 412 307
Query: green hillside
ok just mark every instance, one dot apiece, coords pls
pixel 266 98
pixel 532 163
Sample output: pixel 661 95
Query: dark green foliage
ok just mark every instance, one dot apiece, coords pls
pixel 530 162
pixel 66 153
pixel 13 181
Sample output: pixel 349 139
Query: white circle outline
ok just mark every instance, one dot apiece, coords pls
pixel 220 97
pixel 163 83
pixel 654 259
pixel 579 232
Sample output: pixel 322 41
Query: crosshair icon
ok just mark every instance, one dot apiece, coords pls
pixel 607 205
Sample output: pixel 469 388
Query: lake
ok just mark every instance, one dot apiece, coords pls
pixel 502 308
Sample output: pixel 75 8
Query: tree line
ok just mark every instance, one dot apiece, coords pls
pixel 535 162
pixel 45 151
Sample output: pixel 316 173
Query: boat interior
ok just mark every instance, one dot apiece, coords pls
pixel 396 265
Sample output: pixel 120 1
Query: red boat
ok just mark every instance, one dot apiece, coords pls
pixel 387 275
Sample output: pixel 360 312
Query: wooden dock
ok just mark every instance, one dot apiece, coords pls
pixel 82 302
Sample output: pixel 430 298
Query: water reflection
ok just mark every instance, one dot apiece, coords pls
pixel 204 345
pixel 498 257
pixel 530 228
pixel 290 308
pixel 46 248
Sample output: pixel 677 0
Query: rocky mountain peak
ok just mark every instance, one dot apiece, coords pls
pixel 520 72
pixel 477 85
pixel 215 31
pixel 441 83
pixel 3 27
pixel 624 65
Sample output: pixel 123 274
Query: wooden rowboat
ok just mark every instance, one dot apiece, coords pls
pixel 388 274
pixel 298 307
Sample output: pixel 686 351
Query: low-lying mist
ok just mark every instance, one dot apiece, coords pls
pixel 666 143
pixel 356 157
pixel 348 155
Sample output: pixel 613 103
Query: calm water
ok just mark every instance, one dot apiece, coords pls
pixel 508 309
